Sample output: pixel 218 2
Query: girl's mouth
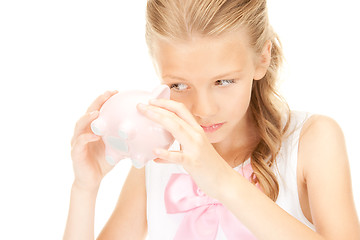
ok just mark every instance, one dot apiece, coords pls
pixel 212 128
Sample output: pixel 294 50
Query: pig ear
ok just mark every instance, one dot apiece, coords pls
pixel 162 91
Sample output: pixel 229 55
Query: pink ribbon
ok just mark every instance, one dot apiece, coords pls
pixel 203 214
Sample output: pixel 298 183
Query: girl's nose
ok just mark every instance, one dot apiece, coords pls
pixel 204 106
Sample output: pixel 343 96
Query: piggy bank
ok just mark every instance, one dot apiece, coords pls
pixel 126 132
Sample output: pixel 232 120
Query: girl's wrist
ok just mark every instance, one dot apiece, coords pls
pixel 80 187
pixel 229 186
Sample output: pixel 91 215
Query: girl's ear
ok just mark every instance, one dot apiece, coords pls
pixel 263 62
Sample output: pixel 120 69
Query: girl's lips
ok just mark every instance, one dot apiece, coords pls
pixel 212 128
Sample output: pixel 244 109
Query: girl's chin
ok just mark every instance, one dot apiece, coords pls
pixel 214 138
pixel 219 136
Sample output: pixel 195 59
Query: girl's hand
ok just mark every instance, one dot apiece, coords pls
pixel 198 157
pixel 88 149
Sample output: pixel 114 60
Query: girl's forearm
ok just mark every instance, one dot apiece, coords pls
pixel 80 222
pixel 263 217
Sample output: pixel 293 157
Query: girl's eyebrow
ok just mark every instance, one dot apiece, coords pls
pixel 217 77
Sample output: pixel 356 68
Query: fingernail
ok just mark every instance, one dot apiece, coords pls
pixel 158 151
pixel 152 101
pixel 142 106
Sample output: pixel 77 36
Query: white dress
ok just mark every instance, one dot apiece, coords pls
pixel 163 226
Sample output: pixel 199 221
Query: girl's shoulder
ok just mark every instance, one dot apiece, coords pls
pixel 318 125
pixel 305 121
pixel 302 123
pixel 313 140
pixel 321 139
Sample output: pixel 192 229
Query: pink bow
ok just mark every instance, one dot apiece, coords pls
pixel 202 213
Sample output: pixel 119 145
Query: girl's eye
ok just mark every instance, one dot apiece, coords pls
pixel 178 86
pixel 227 82
pixel 182 86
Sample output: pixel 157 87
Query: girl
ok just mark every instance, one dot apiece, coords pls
pixel 243 165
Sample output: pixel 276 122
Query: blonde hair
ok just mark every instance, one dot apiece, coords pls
pixel 180 19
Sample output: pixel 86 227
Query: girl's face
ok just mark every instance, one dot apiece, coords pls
pixel 213 78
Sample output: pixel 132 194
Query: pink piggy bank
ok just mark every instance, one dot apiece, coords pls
pixel 126 132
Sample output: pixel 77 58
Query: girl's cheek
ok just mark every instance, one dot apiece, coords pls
pixel 179 97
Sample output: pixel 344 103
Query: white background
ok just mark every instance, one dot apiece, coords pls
pixel 57 56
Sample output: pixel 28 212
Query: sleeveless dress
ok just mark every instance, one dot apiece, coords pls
pixel 166 221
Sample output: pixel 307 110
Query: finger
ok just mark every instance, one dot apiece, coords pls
pixel 165 156
pixel 83 124
pixel 180 129
pixel 178 108
pixel 159 160
pixel 100 100
pixel 81 142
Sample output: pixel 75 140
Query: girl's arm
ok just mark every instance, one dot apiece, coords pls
pixel 90 167
pixel 128 220
pixel 327 174
pixel 326 169
pixel 80 222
